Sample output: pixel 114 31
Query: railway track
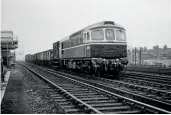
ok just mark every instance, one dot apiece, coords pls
pixel 154 70
pixel 67 102
pixel 154 94
pixel 150 108
pixel 157 95
pixel 148 77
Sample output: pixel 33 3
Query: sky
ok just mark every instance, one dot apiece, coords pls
pixel 40 23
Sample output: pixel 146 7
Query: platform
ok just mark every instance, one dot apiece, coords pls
pixel 14 99
pixel 4 83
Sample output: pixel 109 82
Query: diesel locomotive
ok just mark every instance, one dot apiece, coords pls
pixel 98 49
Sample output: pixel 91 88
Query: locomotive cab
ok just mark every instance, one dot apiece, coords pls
pixel 107 41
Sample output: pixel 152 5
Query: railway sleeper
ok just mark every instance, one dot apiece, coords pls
pixel 85 94
pixel 61 100
pixel 99 101
pixel 57 97
pixel 151 95
pixel 74 110
pixel 106 104
pixel 169 100
pixel 125 112
pixel 63 103
pixel 66 85
pixel 55 94
pixel 70 86
pixel 90 96
pixel 68 107
pixel 100 98
pixel 115 108
pixel 164 94
pixel 75 92
pixel 49 89
pixel 71 90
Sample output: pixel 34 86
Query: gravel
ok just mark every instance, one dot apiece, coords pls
pixel 24 95
pixel 40 101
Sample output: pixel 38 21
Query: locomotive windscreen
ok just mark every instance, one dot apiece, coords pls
pixel 120 35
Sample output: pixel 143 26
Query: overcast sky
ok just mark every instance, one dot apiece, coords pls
pixel 39 23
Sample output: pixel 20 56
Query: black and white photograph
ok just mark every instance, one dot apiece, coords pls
pixel 85 56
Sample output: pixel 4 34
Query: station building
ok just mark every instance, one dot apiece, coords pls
pixel 9 42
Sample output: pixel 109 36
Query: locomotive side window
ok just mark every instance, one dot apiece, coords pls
pixel 88 36
pixel 65 44
pixel 84 37
pixel 120 35
pixel 62 45
pixel 72 42
pixel 109 34
pixel 68 44
pixel 97 35
pixel 77 40
pixel 81 39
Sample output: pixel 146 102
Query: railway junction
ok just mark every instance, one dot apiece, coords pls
pixel 82 74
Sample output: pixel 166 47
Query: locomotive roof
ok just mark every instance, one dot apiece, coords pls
pixel 104 24
pixel 101 24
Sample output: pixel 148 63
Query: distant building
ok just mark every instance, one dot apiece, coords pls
pixel 150 56
pixel 165 54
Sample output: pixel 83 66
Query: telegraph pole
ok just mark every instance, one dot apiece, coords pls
pixel 140 56
pixel 7 52
pixel 135 56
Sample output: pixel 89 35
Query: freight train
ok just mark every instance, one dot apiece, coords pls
pixel 98 49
